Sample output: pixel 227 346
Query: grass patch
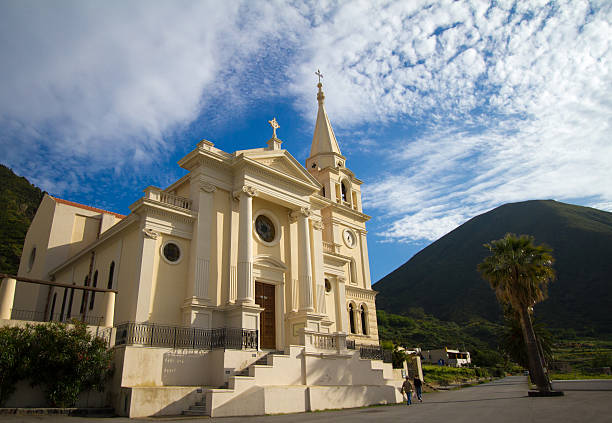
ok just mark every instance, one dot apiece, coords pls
pixel 442 375
pixel 577 375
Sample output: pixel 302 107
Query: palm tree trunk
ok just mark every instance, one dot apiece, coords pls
pixel 536 367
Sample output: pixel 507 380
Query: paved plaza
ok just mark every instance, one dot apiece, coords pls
pixel 501 401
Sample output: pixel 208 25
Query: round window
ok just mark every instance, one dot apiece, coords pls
pixel 328 287
pixel 265 228
pixel 172 252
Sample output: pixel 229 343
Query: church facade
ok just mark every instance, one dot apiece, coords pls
pixel 250 240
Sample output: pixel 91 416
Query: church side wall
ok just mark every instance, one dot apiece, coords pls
pixel 26 294
pixel 126 284
pixel 169 282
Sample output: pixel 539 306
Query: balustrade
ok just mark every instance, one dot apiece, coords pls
pixel 152 335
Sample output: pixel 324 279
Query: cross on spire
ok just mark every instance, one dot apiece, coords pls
pixel 274 124
pixel 319 74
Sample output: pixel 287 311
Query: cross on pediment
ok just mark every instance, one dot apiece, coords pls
pixel 274 124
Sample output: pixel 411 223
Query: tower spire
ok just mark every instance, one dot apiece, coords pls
pixel 324 140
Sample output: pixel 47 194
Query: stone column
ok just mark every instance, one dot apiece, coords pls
pixel 200 244
pixel 304 260
pixel 317 258
pixel 7 297
pixel 341 305
pixel 109 316
pixel 365 261
pixel 246 285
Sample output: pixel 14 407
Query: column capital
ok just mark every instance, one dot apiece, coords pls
pixel 207 187
pixel 317 224
pixel 304 212
pixel 246 190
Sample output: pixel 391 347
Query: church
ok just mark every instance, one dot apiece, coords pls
pixel 242 288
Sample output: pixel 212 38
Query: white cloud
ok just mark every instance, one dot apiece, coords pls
pixel 513 99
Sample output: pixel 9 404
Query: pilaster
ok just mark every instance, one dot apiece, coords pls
pixel 341 305
pixel 304 260
pixel 317 254
pixel 148 247
pixel 245 282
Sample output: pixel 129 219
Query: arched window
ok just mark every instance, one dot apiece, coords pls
pixel 364 323
pixel 352 318
pixel 344 191
pixel 84 296
pixel 93 293
pixel 111 273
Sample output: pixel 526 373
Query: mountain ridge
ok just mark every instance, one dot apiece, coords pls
pixel 442 278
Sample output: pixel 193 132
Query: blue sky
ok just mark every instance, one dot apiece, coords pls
pixel 444 109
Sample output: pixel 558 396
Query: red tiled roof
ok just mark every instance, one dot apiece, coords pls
pixel 82 206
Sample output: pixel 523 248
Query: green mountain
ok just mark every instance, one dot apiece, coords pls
pixel 19 200
pixel 443 280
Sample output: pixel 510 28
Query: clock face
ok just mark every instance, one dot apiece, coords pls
pixel 349 238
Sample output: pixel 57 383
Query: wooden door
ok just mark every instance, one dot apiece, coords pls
pixel 264 297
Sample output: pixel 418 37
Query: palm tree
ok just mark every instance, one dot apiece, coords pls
pixel 519 272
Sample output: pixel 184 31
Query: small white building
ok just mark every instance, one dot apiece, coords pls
pixel 239 286
pixel 447 357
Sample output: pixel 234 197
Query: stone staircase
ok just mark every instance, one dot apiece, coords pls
pixel 198 409
pixel 273 372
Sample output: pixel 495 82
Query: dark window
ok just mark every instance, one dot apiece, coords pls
pixel 93 293
pixel 52 307
pixel 265 228
pixel 84 295
pixel 323 191
pixel 61 317
pixel 69 312
pixel 343 192
pixel 364 326
pixel 328 287
pixel 32 258
pixel 172 252
pixel 352 318
pixel 111 272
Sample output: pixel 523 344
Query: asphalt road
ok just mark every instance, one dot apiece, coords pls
pixel 501 401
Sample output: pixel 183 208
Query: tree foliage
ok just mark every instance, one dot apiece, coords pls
pixel 20 200
pixel 519 271
pixel 65 360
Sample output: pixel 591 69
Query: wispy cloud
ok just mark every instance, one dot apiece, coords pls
pixel 498 102
pixel 513 99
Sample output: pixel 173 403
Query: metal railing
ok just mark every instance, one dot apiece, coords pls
pixel 350 344
pixel 39 316
pixel 152 335
pixel 375 353
pixel 175 200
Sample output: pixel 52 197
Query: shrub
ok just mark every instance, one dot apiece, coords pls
pixel 69 361
pixel 14 358
pixel 64 360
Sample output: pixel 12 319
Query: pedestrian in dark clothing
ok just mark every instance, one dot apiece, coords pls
pixel 418 386
pixel 407 388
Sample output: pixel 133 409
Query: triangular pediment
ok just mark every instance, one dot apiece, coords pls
pixel 281 161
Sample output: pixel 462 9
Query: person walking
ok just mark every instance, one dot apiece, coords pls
pixel 407 388
pixel 418 386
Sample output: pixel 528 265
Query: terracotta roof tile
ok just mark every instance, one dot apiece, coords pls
pixel 82 206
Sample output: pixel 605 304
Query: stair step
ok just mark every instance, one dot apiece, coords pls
pixel 197 408
pixel 194 413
